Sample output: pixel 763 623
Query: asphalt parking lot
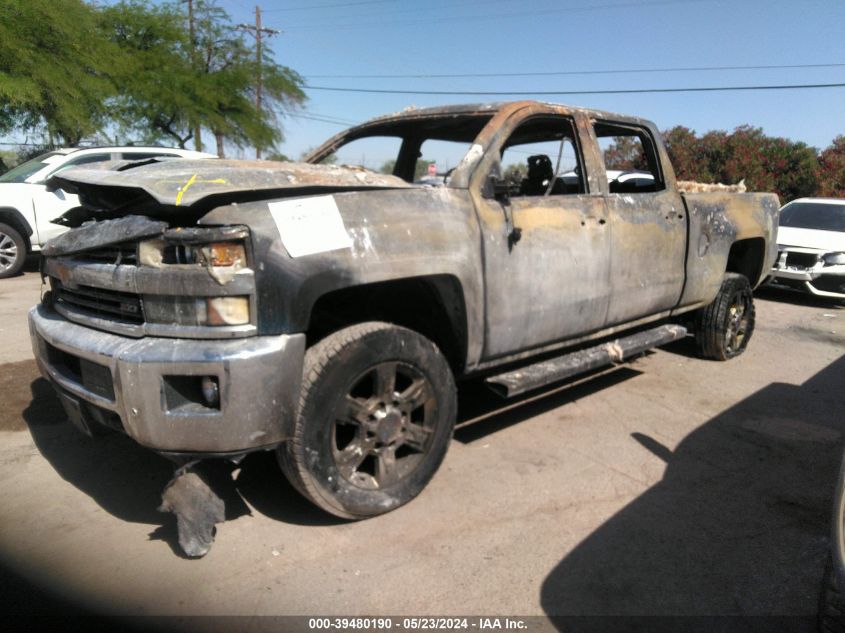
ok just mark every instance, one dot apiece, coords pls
pixel 670 485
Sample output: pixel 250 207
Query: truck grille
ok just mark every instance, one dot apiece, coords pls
pixel 125 254
pixel 99 302
pixel 801 260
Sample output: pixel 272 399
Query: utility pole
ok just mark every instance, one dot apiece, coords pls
pixel 257 31
pixel 192 34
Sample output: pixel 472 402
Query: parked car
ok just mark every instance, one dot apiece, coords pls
pixel 27 208
pixel 326 312
pixel 811 247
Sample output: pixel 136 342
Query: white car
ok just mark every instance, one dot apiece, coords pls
pixel 27 208
pixel 811 245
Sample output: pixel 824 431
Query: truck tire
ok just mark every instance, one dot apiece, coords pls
pixel 12 251
pixel 376 415
pixel 831 616
pixel 723 328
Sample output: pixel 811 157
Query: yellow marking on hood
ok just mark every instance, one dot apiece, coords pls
pixel 184 188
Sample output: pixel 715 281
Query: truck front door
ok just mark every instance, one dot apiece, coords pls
pixel 546 240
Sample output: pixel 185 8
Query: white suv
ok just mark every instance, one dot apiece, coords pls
pixel 27 209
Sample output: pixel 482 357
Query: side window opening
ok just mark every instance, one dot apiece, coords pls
pixel 437 160
pixel 82 160
pixel 541 158
pixel 376 153
pixel 630 159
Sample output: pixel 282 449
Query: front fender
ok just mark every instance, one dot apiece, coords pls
pixel 392 234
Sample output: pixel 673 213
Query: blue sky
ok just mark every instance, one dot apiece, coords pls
pixel 333 46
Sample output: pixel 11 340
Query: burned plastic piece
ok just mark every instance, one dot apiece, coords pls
pixel 197 508
pixel 105 233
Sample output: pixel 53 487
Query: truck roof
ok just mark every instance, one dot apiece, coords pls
pixel 490 108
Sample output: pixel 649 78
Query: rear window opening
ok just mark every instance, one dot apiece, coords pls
pixel 630 158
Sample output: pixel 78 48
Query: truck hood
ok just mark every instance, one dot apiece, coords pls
pixel 162 186
pixel 811 238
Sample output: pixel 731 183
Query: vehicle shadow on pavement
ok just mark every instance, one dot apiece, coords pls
pixel 795 297
pixel 738 525
pixel 127 480
pixel 481 412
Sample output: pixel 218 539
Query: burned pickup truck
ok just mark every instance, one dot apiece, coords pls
pixel 214 308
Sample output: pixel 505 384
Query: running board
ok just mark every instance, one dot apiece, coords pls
pixel 518 381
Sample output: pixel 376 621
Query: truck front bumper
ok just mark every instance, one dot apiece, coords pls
pixel 150 388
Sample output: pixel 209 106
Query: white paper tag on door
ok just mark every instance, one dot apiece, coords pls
pixel 310 225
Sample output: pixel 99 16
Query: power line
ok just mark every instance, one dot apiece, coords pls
pixel 489 16
pixel 581 72
pixel 257 31
pixel 329 6
pixel 577 92
pixel 321 119
pixel 451 5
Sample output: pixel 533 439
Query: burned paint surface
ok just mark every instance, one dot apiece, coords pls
pixel 585 266
pixel 717 221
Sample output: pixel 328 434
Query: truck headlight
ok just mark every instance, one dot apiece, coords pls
pixel 833 259
pixel 226 254
pixel 161 254
pixel 197 311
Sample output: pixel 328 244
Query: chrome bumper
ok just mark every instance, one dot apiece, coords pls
pixel 809 281
pixel 258 377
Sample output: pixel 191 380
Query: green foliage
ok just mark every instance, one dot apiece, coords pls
pixel 626 154
pixel 388 166
pixel 8 159
pixel 160 92
pixel 278 156
pixel 832 162
pixel 172 85
pixel 54 69
pixel 68 69
pixel 766 163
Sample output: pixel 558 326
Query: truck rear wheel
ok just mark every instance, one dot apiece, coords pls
pixel 12 251
pixel 723 328
pixel 376 416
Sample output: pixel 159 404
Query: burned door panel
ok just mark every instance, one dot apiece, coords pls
pixel 554 282
pixel 647 249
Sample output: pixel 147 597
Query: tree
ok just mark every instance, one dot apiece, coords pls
pixel 766 163
pixel 160 91
pixel 684 149
pixel 227 73
pixel 625 153
pixel 832 171
pixel 172 85
pixel 54 69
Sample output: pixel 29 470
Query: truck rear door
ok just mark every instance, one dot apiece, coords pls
pixel 648 223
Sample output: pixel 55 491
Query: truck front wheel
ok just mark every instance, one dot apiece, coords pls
pixel 12 251
pixel 376 416
pixel 723 328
